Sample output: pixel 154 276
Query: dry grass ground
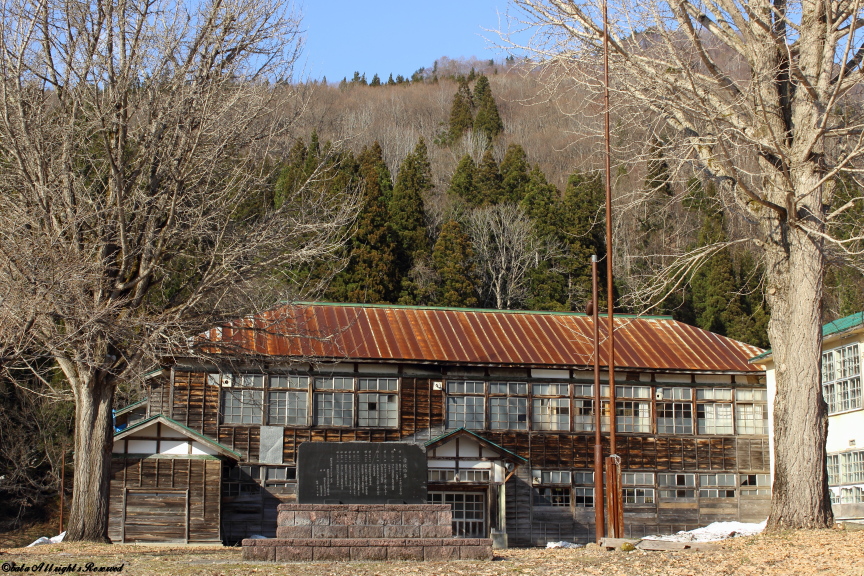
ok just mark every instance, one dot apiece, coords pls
pixel 829 552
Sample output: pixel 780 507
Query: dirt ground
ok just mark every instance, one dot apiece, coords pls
pixel 801 553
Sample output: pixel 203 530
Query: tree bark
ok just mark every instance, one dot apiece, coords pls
pixel 800 496
pixel 94 399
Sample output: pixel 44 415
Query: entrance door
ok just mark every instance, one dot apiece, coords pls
pixel 469 512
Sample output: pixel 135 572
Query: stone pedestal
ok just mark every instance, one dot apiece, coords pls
pixel 365 532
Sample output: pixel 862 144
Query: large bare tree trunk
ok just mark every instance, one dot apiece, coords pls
pixel 94 399
pixel 800 493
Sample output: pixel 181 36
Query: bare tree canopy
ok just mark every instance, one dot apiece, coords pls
pixel 135 140
pixel 762 98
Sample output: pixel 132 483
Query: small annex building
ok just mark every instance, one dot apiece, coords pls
pixel 501 401
pixel 842 345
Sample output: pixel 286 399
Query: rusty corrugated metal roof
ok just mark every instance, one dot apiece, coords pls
pixel 363 332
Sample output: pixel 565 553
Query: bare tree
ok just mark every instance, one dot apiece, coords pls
pixel 506 250
pixel 134 145
pixel 762 98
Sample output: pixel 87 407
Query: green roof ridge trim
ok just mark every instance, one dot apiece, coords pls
pixel 206 439
pixel 130 407
pixel 474 434
pixel 475 310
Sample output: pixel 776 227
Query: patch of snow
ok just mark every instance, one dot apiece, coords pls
pixel 562 545
pixel 712 532
pixel 45 540
pixel 257 537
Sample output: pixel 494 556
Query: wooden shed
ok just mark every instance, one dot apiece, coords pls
pixel 165 483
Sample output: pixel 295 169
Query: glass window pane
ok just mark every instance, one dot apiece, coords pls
pixel 379 410
pixel 508 413
pixel 242 406
pixel 287 408
pixel 334 409
pixel 465 412
pixel 551 414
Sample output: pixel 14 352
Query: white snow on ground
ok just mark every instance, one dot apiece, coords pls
pixel 562 545
pixel 712 532
pixel 45 540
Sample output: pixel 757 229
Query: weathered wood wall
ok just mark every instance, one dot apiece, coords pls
pixel 165 499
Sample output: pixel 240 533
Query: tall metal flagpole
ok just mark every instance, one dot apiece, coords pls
pixel 594 310
pixel 616 515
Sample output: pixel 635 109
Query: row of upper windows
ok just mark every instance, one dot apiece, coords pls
pixel 372 402
pixel 841 379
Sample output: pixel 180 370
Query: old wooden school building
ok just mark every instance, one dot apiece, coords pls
pixel 500 400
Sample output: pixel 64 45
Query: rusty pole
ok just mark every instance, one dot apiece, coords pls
pixel 599 517
pixel 616 519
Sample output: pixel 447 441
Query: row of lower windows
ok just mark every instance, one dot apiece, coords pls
pixel 669 486
pixel 847 495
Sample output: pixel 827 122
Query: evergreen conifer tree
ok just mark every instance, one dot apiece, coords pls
pixel 453 261
pixel 461 117
pixel 488 120
pixel 514 174
pixel 376 81
pixel 406 209
pixel 371 274
pixel 581 231
pixel 462 182
pixel 390 81
pixel 488 181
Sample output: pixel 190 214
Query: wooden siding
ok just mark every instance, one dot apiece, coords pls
pixel 146 497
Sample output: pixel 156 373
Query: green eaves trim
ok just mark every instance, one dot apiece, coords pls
pixel 479 310
pixel 180 428
pixel 836 327
pixel 478 437
pixel 130 407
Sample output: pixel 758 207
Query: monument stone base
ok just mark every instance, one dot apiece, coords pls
pixel 374 532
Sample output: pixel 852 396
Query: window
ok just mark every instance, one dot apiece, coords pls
pixel 249 380
pixel 676 393
pixel 755 484
pixel 846 468
pixel 287 408
pixel 469 475
pixel 508 406
pixel 297 382
pixel 751 412
pixel 242 406
pixel 633 416
pixel 677 485
pixel 720 394
pixel 714 418
pixel 553 476
pixel 551 413
pixel 552 497
pixel 841 379
pixel 334 409
pixel 637 478
pixel 583 410
pixel 638 496
pixel 241 480
pixel 334 383
pixel 280 479
pixel 583 497
pixel 716 480
pixel 465 411
pixel 585 478
pixel 674 418
pixel 851 495
pixel 442 475
pixel 378 410
pixel 833 469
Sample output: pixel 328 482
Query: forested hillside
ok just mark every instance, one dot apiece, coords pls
pixel 481 191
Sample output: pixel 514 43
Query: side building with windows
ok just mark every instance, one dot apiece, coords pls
pixel 501 401
pixel 842 345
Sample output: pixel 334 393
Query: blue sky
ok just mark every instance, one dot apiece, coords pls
pixel 395 36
